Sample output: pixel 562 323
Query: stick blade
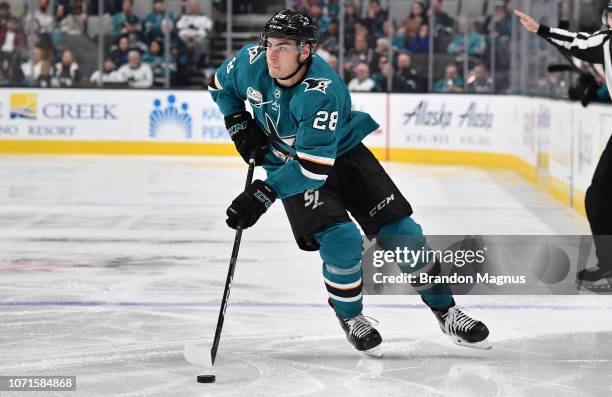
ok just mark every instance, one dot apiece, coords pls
pixel 197 355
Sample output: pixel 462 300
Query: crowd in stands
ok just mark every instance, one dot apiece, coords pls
pixel 34 48
pixel 382 53
pixel 379 54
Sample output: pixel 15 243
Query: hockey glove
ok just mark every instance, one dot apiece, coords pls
pixel 247 136
pixel 251 204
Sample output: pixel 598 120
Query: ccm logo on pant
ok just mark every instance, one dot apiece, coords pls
pixel 381 205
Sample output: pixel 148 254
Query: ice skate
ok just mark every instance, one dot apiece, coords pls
pixel 361 334
pixel 595 278
pixel 462 329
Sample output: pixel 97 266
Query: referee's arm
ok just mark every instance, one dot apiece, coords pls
pixel 585 46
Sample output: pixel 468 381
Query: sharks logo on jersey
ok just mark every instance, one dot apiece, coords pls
pixel 254 53
pixel 316 84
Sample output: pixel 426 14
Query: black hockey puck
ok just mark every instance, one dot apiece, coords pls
pixel 206 378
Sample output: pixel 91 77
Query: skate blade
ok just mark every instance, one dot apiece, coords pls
pixel 482 345
pixel 375 352
pixel 601 285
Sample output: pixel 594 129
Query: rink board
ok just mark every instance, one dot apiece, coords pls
pixel 552 143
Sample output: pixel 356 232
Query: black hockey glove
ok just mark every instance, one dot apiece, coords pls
pixel 247 136
pixel 251 204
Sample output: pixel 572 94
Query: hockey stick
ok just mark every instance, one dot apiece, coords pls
pixel 193 353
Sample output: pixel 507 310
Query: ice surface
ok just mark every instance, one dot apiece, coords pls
pixel 110 265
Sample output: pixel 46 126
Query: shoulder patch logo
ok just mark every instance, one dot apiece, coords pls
pixel 316 84
pixel 255 98
pixel 254 53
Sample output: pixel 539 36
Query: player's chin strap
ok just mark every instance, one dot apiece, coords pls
pixel 300 64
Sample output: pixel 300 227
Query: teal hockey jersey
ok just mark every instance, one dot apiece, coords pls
pixel 308 125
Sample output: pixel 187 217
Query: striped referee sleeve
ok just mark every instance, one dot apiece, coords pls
pixel 585 46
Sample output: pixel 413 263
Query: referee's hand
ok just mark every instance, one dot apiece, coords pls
pixel 528 22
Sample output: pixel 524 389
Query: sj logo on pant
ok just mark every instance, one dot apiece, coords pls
pixel 311 197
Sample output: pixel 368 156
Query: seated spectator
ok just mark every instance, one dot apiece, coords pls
pixel 12 40
pixel 406 78
pixel 316 12
pixel 193 29
pixel 333 8
pixel 360 53
pixel 32 67
pixel 376 18
pixel 154 25
pixel 442 20
pixel 420 43
pixel 362 81
pixel 329 40
pixel 68 22
pixel 67 70
pixel 45 79
pixel 108 74
pixel 479 82
pixel 42 24
pixel 451 81
pixel 136 73
pixel 5 14
pixel 380 75
pixel 405 34
pixel 156 60
pixel 351 17
pixel 125 23
pixel 120 52
pixel 476 42
pixel 381 50
pixel 418 12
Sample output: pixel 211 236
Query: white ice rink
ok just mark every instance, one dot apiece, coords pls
pixel 110 265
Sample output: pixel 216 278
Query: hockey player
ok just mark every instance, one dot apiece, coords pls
pixel 308 140
pixel 593 48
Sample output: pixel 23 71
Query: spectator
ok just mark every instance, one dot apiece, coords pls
pixel 420 43
pixel 193 29
pixel 350 20
pixel 381 50
pixel 333 8
pixel 316 12
pixel 12 40
pixel 154 25
pixel 5 14
pixel 120 52
pixel 451 81
pixel 362 81
pixel 45 79
pixel 376 18
pixel 418 13
pixel 502 21
pixel 329 40
pixel 108 74
pixel 406 78
pixel 360 53
pixel 68 22
pixel 405 34
pixel 476 41
pixel 156 60
pixel 380 76
pixel 479 81
pixel 67 70
pixel 126 23
pixel 136 73
pixel 442 20
pixel 42 24
pixel 32 68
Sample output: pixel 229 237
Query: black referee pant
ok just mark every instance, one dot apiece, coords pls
pixel 598 204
